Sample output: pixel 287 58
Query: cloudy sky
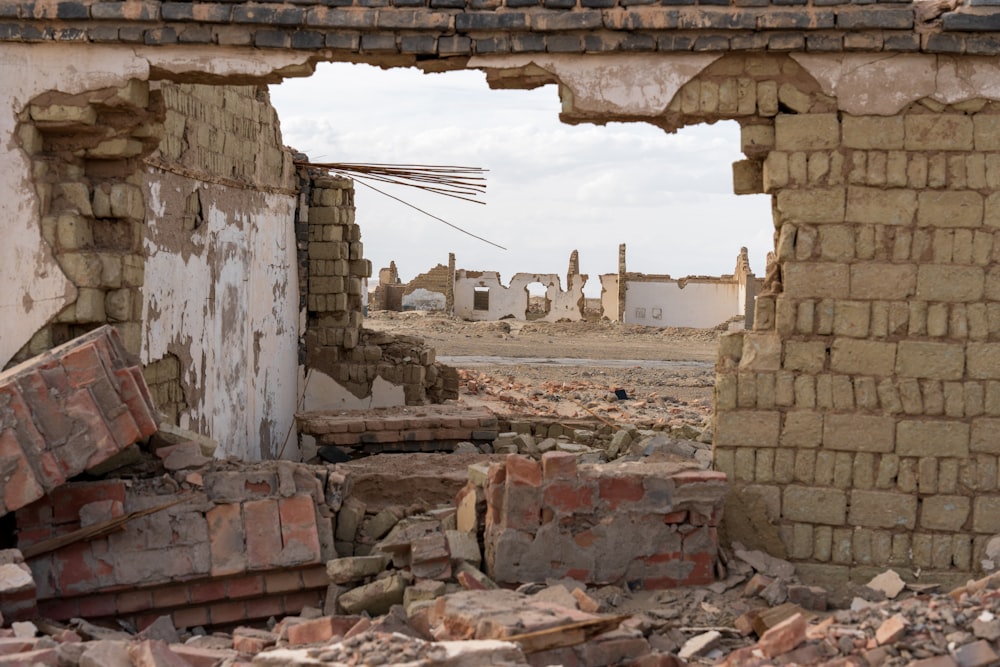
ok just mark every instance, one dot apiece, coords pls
pixel 552 188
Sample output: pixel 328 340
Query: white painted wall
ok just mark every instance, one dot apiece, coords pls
pixel 227 303
pixel 513 301
pixel 697 304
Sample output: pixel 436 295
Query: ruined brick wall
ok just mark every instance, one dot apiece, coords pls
pixel 647 525
pixel 86 151
pixel 860 417
pixel 336 344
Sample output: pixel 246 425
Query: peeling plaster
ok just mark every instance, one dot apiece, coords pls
pixel 880 85
pixel 230 298
pixel 632 85
pixel 322 392
pixel 883 85
pixel 967 78
pixel 513 301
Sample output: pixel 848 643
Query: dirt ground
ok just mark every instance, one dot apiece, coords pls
pixel 572 369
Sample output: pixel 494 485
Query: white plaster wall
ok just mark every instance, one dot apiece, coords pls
pixel 227 303
pixel 700 305
pixel 323 393
pixel 503 302
pixel 609 296
pixel 562 305
pixel 513 301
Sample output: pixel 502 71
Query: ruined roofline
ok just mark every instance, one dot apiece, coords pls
pixel 421 30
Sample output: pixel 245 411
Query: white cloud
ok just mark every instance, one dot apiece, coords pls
pixel 551 188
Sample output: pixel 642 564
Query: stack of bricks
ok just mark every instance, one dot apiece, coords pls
pixel 644 525
pixel 336 344
pixel 254 544
pixel 864 409
pixel 431 428
pixel 66 411
pixel 92 204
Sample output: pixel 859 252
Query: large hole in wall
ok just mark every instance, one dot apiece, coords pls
pixel 552 187
pixel 539 304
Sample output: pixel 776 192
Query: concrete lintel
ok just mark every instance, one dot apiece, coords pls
pixel 632 85
pixel 872 84
pixel 237 65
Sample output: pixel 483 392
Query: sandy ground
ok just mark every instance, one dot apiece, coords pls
pixel 572 369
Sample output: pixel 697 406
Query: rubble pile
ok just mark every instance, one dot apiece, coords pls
pixel 733 622
pixel 584 398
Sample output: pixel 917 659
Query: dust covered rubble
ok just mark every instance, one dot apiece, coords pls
pixel 418 598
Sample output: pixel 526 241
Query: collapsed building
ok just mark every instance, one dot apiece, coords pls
pixel 628 297
pixel 146 187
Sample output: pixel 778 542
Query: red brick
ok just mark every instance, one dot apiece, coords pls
pixel 36 658
pixel 659 583
pixel 47 414
pixel 522 507
pixel 171 596
pixel 207 591
pixel 265 607
pixel 155 653
pixel 245 587
pixel 299 535
pixel 227 612
pixel 82 366
pixel 67 500
pixel 20 487
pixel 675 517
pixel 296 602
pixel 122 426
pixel 147 398
pixel 77 570
pixel 61 610
pixel 620 489
pixel 227 541
pixel 523 471
pixel 95 606
pixel 95 444
pixel 568 497
pixel 250 644
pixel 282 581
pixel 132 397
pixel 783 637
pixel 312 632
pixel 496 474
pixel 9 645
pixel 37 515
pixel 579 574
pixel 665 557
pixel 558 465
pixel 28 536
pixel 263 530
pixel 131 601
pixel 315 577
pixel 190 617
pixel 703 571
pixel 203 657
pixel 891 629
pixel 359 627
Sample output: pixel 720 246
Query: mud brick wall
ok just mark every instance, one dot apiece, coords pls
pixel 247 545
pixel 644 525
pixel 85 152
pixel 66 411
pixel 335 341
pixel 862 415
pixel 163 377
